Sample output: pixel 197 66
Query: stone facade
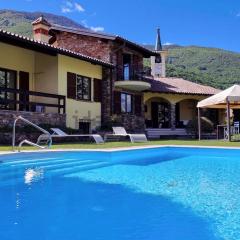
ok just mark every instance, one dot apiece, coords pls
pixel 7 118
pixel 87 45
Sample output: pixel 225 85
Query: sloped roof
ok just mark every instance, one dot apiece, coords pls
pixel 179 85
pixel 28 43
pixel 88 32
pixel 220 99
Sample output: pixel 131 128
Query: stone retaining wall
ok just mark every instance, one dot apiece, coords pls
pixel 7 118
pixel 55 119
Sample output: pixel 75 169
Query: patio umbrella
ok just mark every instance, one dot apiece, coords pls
pixel 227 99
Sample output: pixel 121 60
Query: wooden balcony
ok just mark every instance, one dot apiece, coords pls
pixel 15 99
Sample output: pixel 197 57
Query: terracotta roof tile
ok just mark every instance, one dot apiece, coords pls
pixel 179 85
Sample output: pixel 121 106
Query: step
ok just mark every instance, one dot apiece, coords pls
pixel 14 173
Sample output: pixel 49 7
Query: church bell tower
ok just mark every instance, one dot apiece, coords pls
pixel 158 62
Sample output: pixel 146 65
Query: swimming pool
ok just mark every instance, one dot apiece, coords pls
pixel 159 193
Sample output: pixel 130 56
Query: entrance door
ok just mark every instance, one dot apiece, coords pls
pixel 160 115
pixel 24 86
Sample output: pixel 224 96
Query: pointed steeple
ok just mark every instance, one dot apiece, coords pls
pixel 158 62
pixel 158 46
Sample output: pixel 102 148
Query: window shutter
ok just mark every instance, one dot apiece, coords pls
pixel 138 105
pixel 71 85
pixel 117 102
pixel 97 90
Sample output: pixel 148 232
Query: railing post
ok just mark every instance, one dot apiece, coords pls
pixel 64 105
pixel 59 105
pixel 24 101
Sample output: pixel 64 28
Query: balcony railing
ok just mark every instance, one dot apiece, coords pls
pixel 133 75
pixel 16 99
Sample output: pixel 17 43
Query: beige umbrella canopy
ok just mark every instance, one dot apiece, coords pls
pixel 220 100
pixel 227 99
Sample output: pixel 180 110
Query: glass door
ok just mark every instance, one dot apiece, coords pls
pixel 126 66
pixel 160 115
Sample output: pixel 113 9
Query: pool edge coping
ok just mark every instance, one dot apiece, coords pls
pixel 116 149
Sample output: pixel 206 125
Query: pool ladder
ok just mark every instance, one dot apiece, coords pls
pixel 45 137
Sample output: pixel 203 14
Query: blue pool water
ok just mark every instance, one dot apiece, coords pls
pixel 162 193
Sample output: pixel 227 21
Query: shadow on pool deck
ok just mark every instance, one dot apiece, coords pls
pixel 70 209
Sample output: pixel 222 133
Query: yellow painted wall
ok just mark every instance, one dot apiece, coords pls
pixel 46 78
pixel 75 110
pixel 185 111
pixel 18 59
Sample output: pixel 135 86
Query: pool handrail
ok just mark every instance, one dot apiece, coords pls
pixel 45 132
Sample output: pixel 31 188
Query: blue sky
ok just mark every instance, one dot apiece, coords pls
pixel 213 23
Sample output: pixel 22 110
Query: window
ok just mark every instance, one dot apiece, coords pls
pixel 78 87
pixel 83 86
pixel 126 103
pixel 7 80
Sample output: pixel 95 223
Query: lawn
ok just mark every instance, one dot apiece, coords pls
pixel 128 144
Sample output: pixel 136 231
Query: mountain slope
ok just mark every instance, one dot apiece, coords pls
pixel 20 22
pixel 209 66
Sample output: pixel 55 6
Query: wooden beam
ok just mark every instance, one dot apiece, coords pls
pixel 199 124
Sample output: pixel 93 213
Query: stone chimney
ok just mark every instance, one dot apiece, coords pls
pixel 40 29
pixel 158 63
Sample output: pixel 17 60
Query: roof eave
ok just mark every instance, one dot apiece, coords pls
pixel 24 42
pixel 184 93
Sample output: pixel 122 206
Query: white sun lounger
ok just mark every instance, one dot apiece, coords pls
pixel 121 132
pixel 58 133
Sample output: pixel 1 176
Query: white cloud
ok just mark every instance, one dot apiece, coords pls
pixel 71 6
pixel 97 29
pixel 66 10
pixel 78 7
pixel 168 44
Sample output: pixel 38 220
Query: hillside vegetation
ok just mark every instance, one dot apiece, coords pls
pixel 209 66
pixel 20 22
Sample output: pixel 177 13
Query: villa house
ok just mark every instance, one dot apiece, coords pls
pixel 87 79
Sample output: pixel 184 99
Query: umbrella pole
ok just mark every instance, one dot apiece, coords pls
pixel 199 124
pixel 228 121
